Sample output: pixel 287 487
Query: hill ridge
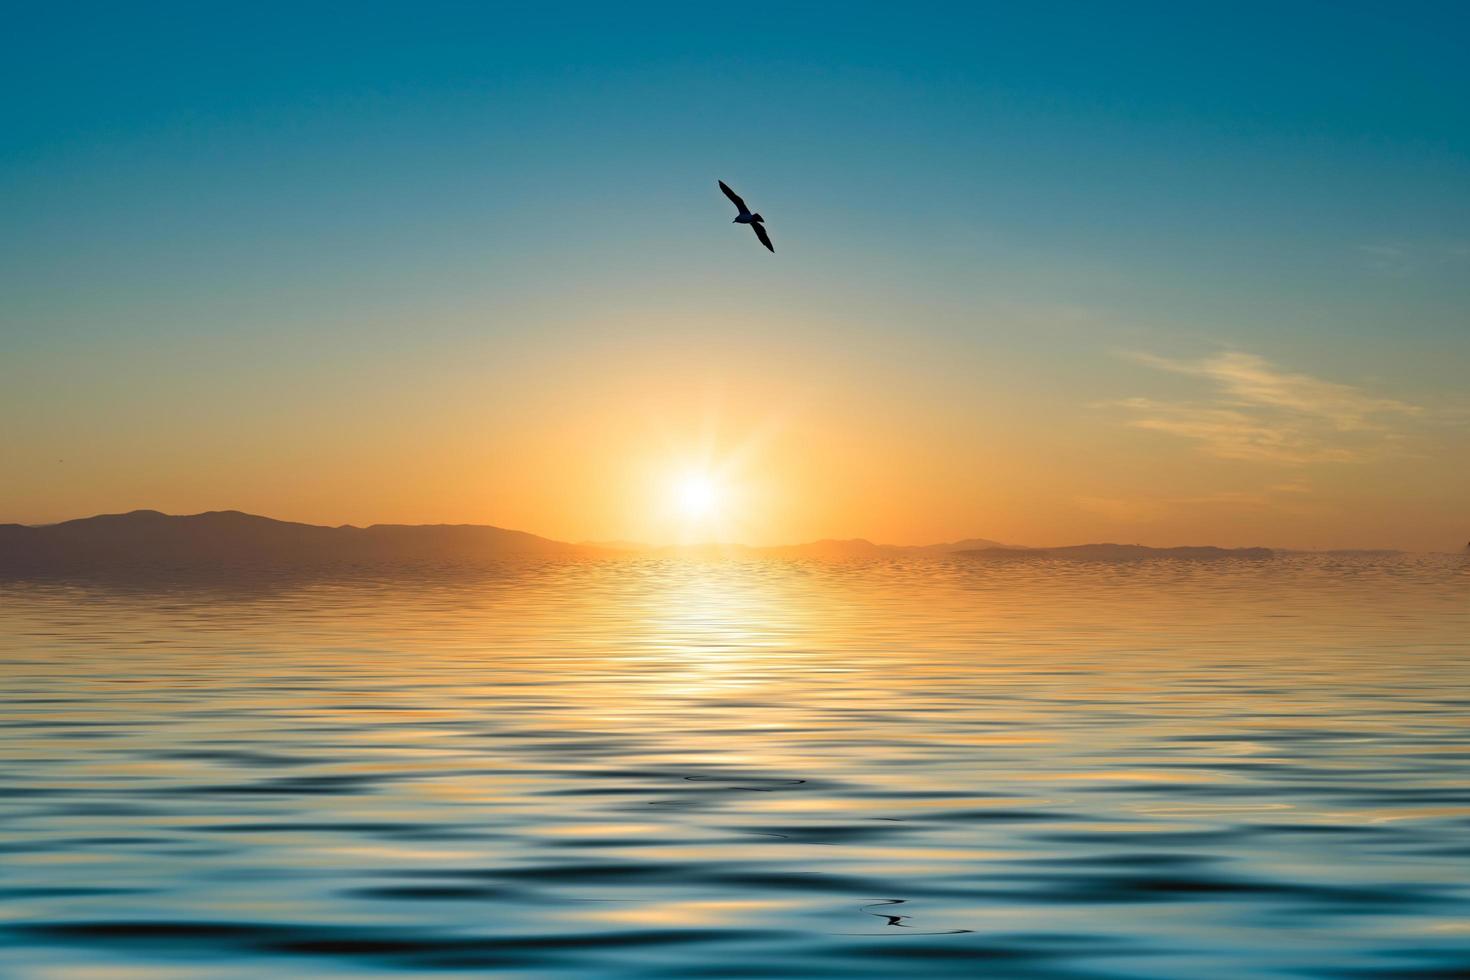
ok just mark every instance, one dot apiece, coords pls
pixel 228 537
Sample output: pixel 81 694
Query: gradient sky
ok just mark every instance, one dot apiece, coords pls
pixel 1045 273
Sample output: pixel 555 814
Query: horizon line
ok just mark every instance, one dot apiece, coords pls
pixel 634 546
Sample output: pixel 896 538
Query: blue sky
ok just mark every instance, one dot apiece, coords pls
pixel 201 202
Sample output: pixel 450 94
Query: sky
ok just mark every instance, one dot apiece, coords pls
pixel 1045 273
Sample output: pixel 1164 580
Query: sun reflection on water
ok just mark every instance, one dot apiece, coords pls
pixel 657 765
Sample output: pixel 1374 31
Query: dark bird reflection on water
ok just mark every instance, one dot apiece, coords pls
pixel 768 769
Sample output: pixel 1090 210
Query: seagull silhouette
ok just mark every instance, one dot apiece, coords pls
pixel 755 221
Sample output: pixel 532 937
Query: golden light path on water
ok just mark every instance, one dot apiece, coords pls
pixel 677 768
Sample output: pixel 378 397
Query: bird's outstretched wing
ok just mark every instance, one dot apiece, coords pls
pixel 734 198
pixel 760 232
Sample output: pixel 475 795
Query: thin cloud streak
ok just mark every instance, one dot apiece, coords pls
pixel 1253 380
pixel 1262 413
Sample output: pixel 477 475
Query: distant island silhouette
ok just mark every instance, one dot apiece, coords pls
pixel 226 538
pixel 229 536
pixel 1117 552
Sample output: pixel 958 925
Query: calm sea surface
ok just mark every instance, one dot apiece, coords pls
pixel 674 769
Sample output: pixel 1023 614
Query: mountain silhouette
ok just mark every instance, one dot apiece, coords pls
pixel 229 538
pixel 232 537
pixel 1114 552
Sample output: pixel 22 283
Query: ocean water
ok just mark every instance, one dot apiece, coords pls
pixel 676 769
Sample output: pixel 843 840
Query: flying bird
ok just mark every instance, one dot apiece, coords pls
pixel 755 221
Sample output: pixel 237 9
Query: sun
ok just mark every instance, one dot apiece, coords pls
pixel 697 496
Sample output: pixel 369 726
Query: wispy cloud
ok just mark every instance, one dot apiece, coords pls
pixel 1389 258
pixel 1404 258
pixel 1253 381
pixel 1257 411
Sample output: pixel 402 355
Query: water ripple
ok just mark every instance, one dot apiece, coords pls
pixel 744 769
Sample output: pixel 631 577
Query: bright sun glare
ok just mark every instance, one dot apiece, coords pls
pixel 697 496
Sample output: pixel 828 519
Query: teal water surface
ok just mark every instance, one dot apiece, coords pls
pixel 769 769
